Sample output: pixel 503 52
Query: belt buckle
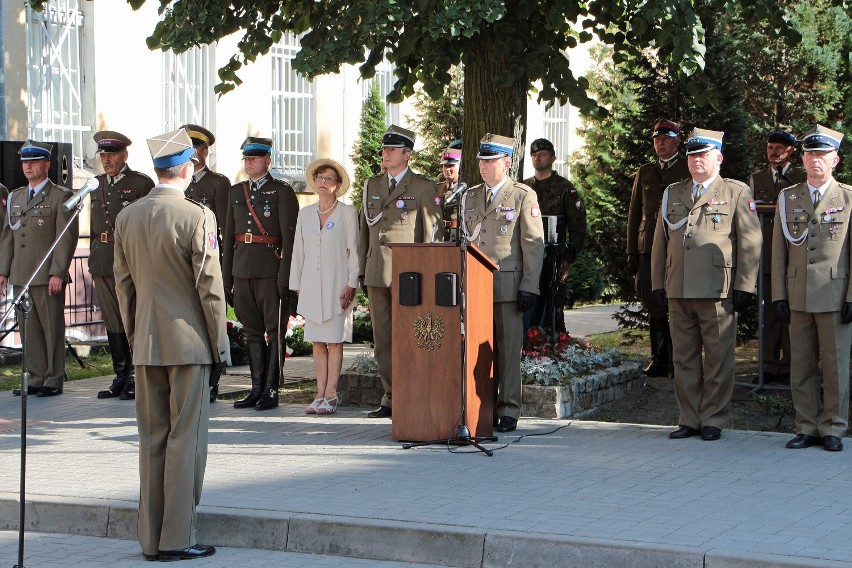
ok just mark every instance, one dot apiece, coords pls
pixel 247 238
pixel 104 237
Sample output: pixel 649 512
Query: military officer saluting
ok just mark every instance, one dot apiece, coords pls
pixel 34 218
pixel 765 184
pixel 564 237
pixel 503 219
pixel 208 187
pixel 645 198
pixel 399 206
pixel 811 259
pixel 258 243
pixel 118 187
pixel 704 269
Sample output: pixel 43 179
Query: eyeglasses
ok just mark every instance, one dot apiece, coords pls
pixel 326 179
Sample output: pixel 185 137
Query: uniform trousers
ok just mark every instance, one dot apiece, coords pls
pixel 776 335
pixel 45 337
pixel 508 343
pixel 105 287
pixel 823 336
pixel 172 409
pixel 643 288
pixel 256 305
pixel 703 391
pixel 381 306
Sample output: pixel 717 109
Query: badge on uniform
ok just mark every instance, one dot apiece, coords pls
pixel 535 212
pixel 400 204
pixel 375 197
pixel 40 222
pixel 267 211
pixel 404 215
pixel 212 240
pixel 329 225
pixel 510 216
pixel 834 229
pixel 438 200
pixel 504 229
pixel 751 206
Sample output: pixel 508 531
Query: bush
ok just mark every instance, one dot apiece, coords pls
pixel 585 280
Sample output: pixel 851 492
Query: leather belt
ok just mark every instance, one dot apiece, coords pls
pixel 106 237
pixel 251 238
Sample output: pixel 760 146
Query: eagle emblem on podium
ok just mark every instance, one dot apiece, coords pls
pixel 428 330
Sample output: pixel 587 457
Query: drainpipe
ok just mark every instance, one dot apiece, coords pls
pixel 4 129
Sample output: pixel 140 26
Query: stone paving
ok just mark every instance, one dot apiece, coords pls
pixel 556 493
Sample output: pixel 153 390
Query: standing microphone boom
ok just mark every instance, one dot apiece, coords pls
pixel 87 188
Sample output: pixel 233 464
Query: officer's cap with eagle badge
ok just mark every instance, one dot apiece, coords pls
pixel 701 140
pixel 493 146
pixel 821 139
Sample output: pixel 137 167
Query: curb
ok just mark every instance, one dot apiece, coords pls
pixel 384 540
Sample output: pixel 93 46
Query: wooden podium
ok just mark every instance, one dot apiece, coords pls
pixel 427 341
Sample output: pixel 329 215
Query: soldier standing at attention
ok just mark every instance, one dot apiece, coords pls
pixel 648 185
pixel 33 220
pixel 258 243
pixel 400 206
pixel 448 191
pixel 503 219
pixel 118 187
pixel 564 209
pixel 811 259
pixel 169 287
pixel 765 185
pixel 704 268
pixel 208 187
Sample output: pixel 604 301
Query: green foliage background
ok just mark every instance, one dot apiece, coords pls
pixel 367 151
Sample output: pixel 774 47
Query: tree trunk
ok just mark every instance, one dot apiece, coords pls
pixel 488 108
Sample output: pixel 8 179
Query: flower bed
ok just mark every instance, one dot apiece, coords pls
pixel 551 359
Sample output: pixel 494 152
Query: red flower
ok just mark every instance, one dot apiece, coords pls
pixel 532 333
pixel 564 337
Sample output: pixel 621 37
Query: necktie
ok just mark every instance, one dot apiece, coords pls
pixel 32 195
pixel 696 192
pixel 489 198
pixel 816 197
pixel 779 174
pixel 392 185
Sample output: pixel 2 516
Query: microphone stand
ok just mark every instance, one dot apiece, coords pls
pixel 23 299
pixel 462 436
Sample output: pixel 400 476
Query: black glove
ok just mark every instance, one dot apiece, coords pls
pixel 661 297
pixel 283 292
pixel 846 313
pixel 633 263
pixel 742 300
pixel 216 371
pixel 782 308
pixel 526 300
pixel 229 296
pixel 362 286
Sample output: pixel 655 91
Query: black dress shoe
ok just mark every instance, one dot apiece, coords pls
pixel 802 441
pixel 710 433
pixel 151 557
pixel 197 551
pixel 31 390
pixel 49 391
pixel 683 432
pixel 507 424
pixel 832 444
pixel 380 412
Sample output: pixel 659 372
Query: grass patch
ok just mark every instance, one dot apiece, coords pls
pixel 97 364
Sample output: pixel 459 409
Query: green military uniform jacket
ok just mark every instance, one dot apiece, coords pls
pixel 708 248
pixel 510 232
pixel 558 196
pixel 765 190
pixel 811 251
pixel 211 190
pixel 29 231
pixel 647 194
pixel 106 203
pixel 410 214
pixel 277 208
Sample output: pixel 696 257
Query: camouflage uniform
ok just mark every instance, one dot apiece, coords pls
pixel 557 196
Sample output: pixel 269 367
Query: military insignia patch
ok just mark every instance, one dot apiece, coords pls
pixel 212 240
pixel 751 206
pixel 535 212
pixel 437 200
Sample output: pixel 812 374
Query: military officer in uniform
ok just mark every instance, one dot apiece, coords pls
pixel 169 286
pixel 118 187
pixel 399 206
pixel 258 243
pixel 34 218
pixel 565 216
pixel 765 185
pixel 648 185
pixel 450 190
pixel 704 266
pixel 4 196
pixel 811 259
pixel 502 218
pixel 208 187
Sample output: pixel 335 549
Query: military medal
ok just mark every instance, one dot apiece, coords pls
pixel 504 229
pixel 826 218
pixel 266 211
pixel 510 216
pixel 834 229
pixel 717 219
pixel 40 222
pixel 404 215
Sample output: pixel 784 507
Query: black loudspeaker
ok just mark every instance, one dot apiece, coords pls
pixel 409 288
pixel 445 289
pixel 61 165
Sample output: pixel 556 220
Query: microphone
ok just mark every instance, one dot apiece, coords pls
pixel 87 188
pixel 459 190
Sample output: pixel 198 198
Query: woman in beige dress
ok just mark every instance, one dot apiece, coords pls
pixel 324 272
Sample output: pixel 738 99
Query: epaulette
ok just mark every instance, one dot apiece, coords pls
pixel 671 185
pixel 844 186
pixel 736 182
pixel 140 174
pixel 422 176
pixel 522 186
pixel 477 186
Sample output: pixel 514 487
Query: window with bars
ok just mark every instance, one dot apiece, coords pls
pixel 54 75
pixel 187 88
pixel 556 120
pixel 293 112
pixel 385 78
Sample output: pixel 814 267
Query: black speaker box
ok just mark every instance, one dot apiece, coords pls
pixel 409 288
pixel 61 165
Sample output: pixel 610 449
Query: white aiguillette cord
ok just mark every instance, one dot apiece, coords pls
pixel 782 209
